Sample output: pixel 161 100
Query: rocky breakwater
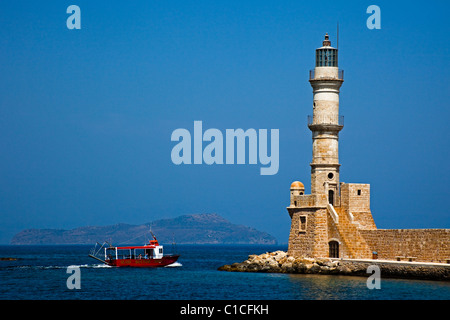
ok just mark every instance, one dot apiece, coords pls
pixel 281 262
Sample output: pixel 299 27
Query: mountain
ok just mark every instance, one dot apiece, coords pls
pixel 186 229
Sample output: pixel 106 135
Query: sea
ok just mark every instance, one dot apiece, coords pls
pixel 41 272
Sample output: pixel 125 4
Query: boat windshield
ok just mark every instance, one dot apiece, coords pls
pixel 110 253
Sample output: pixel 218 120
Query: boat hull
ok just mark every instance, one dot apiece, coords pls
pixel 143 263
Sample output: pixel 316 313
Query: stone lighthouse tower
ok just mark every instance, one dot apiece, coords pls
pixel 325 123
pixel 335 220
pixel 313 214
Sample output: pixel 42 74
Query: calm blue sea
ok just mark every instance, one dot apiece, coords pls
pixel 41 274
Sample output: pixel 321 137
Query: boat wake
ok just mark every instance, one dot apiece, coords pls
pixel 174 265
pixel 95 266
pixel 87 266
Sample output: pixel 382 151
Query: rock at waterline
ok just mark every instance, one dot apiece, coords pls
pixel 281 262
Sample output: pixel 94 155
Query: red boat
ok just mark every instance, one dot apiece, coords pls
pixel 146 256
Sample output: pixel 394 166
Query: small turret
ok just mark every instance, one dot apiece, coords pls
pixel 297 189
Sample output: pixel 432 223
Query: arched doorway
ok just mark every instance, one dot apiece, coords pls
pixel 333 249
pixel 331 197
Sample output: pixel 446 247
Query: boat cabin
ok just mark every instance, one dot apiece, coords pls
pixel 134 252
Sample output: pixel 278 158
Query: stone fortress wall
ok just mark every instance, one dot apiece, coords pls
pixel 316 223
pixel 428 245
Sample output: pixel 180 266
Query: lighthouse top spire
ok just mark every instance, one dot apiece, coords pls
pixel 327 42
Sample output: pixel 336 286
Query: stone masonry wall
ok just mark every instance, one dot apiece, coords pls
pixel 352 245
pixel 431 245
pixel 355 198
pixel 308 235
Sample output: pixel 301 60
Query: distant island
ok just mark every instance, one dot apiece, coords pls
pixel 185 229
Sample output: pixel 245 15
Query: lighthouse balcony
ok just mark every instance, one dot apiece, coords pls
pixel 326 122
pixel 326 73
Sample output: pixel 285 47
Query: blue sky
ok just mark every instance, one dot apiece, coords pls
pixel 86 115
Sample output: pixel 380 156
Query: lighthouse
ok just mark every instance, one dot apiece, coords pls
pixel 312 215
pixel 329 221
pixel 325 122
pixel 335 220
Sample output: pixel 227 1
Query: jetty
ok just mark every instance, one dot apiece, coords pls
pixel 281 262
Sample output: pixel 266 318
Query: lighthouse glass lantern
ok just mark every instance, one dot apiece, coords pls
pixel 326 56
